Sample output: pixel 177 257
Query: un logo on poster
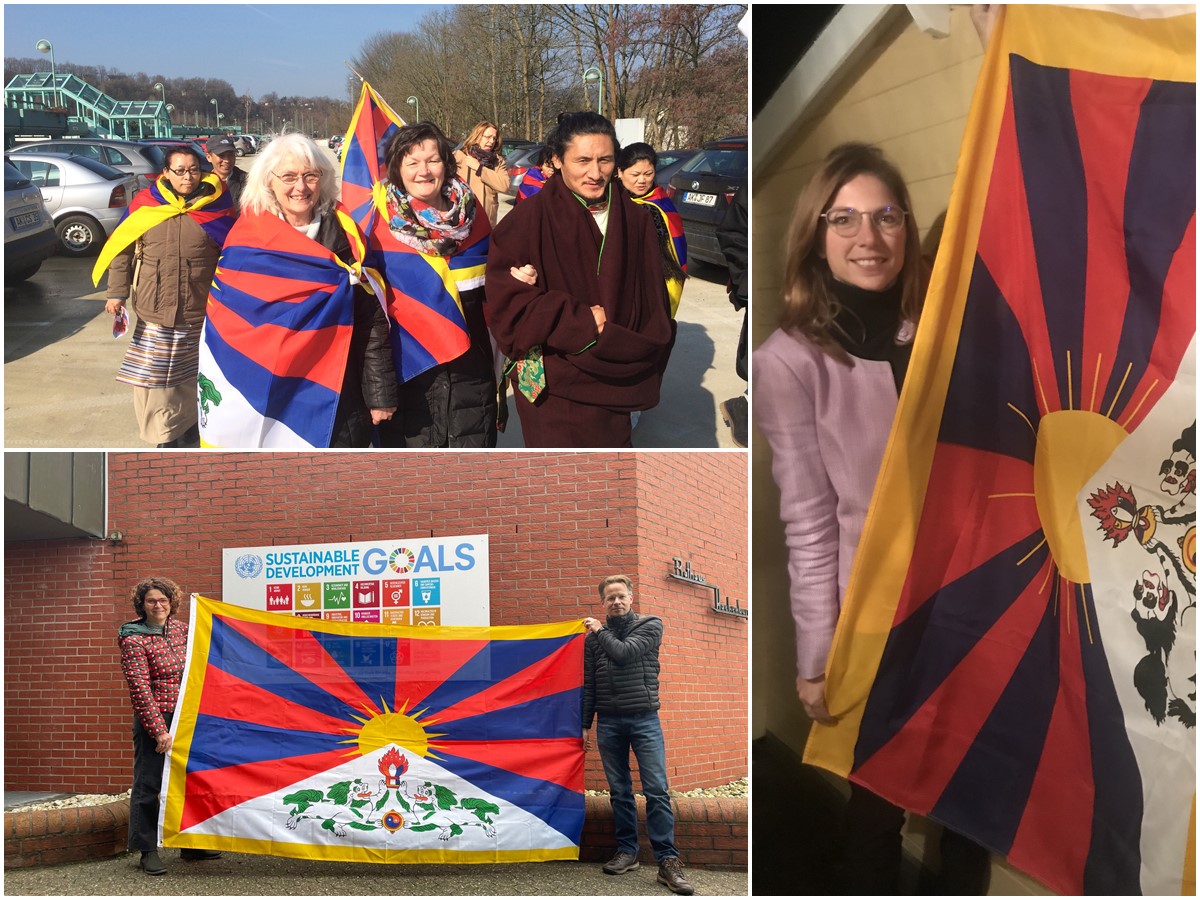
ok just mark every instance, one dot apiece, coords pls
pixel 248 566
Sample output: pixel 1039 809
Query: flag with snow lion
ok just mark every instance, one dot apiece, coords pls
pixel 1016 653
pixel 374 743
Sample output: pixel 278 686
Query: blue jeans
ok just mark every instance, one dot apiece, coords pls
pixel 640 732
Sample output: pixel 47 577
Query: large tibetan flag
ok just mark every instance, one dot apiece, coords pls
pixel 277 333
pixel 1016 653
pixel 375 743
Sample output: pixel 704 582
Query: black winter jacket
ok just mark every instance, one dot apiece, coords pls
pixel 620 666
pixel 454 404
pixel 370 381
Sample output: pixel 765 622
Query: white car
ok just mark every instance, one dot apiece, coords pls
pixel 86 199
pixel 29 236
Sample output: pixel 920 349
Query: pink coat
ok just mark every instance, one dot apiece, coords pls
pixel 828 425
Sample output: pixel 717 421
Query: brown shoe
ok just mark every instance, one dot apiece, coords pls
pixel 670 873
pixel 620 864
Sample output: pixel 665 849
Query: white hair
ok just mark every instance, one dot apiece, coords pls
pixel 257 195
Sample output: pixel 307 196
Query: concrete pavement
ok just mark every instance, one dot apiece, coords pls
pixel 60 361
pixel 241 874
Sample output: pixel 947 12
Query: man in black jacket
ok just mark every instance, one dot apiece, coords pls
pixel 620 683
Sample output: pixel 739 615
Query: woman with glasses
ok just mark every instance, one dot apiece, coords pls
pixel 153 653
pixel 161 259
pixel 433 236
pixel 480 166
pixel 826 385
pixel 296 350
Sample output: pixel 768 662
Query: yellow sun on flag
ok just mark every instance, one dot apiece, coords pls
pixel 380 730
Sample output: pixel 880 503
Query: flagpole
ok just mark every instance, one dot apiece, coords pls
pixel 352 69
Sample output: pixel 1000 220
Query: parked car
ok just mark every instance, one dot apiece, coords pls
pixel 670 162
pixel 513 145
pixel 167 143
pixel 143 160
pixel 244 144
pixel 519 162
pixel 29 235
pixel 86 199
pixel 703 188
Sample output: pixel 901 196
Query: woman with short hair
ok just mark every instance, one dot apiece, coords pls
pixel 433 237
pixel 636 167
pixel 161 260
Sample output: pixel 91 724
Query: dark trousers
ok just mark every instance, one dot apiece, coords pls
pixel 870 863
pixel 147 783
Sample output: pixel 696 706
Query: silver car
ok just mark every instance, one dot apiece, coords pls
pixel 143 160
pixel 29 236
pixel 85 198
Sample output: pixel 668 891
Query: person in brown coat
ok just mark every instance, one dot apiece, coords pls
pixel 481 166
pixel 576 296
pixel 169 244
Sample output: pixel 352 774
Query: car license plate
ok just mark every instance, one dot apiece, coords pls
pixel 700 199
pixel 25 220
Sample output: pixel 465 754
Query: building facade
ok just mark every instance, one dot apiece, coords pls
pixel 556 523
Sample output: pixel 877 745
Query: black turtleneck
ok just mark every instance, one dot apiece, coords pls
pixel 866 325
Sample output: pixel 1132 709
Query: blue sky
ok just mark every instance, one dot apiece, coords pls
pixel 289 48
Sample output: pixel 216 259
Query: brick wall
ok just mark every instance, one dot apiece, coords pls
pixel 556 522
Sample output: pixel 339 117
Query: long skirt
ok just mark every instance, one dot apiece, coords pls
pixel 162 364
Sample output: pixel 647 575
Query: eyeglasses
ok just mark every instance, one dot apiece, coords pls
pixel 165 601
pixel 845 222
pixel 181 172
pixel 310 178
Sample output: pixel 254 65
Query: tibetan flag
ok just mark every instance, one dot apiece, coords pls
pixel 1016 652
pixel 662 203
pixel 213 212
pixel 424 293
pixel 377 743
pixel 276 338
pixel 371 127
pixel 533 182
pixel 670 221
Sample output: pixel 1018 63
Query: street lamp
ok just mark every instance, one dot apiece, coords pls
pixel 170 124
pixel 159 86
pixel 413 101
pixel 599 77
pixel 44 46
pixel 213 101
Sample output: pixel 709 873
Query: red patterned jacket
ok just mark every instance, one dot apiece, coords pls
pixel 153 666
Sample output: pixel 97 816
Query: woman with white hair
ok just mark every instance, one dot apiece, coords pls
pixel 296 349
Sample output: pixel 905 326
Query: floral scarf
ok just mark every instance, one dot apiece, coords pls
pixel 424 228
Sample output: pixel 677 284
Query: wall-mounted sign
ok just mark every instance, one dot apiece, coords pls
pixel 682 570
pixel 408 581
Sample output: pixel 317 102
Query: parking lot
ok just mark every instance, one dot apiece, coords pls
pixel 60 361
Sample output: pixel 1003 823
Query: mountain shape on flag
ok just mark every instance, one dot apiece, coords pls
pixel 368 803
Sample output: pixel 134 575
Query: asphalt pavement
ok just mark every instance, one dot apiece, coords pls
pixel 60 361
pixel 241 874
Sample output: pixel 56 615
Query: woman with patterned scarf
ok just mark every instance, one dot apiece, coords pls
pixel 177 226
pixel 480 166
pixel 433 250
